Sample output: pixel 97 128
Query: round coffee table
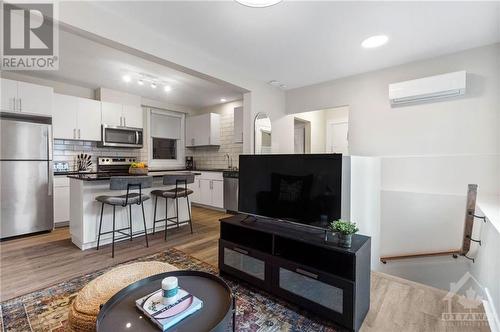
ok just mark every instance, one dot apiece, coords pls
pixel 217 313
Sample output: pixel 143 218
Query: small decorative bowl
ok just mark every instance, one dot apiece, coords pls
pixel 138 171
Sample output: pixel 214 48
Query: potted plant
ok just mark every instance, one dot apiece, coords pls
pixel 344 230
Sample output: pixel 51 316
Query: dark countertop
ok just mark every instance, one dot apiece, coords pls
pixel 103 176
pixel 77 173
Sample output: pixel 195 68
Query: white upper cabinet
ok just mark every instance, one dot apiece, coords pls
pixel 27 98
pixel 203 130
pixel 9 95
pixel 89 119
pixel 238 125
pixel 76 118
pixel 36 99
pixel 111 114
pixel 121 115
pixel 64 117
pixel 132 116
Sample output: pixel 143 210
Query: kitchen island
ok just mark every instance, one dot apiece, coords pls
pixel 85 210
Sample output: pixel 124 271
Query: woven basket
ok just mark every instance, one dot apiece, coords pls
pixel 86 305
pixel 138 171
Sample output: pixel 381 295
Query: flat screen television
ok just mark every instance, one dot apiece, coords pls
pixel 300 188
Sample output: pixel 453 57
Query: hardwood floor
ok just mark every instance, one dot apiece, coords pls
pixel 31 263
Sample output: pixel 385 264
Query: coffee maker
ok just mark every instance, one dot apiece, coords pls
pixel 189 163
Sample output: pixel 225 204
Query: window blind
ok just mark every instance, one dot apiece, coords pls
pixel 165 126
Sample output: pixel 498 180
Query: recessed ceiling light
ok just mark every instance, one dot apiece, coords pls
pixel 153 85
pixel 167 88
pixel 126 78
pixel 140 82
pixel 258 3
pixel 375 41
pixel 223 100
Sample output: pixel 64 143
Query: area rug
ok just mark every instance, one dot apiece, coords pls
pixel 47 309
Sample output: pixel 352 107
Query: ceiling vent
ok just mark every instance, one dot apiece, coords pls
pixel 428 88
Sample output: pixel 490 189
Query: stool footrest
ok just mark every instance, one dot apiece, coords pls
pixel 116 231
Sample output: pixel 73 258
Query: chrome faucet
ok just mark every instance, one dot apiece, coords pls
pixel 229 161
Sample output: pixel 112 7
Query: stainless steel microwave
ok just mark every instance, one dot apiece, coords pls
pixel 121 137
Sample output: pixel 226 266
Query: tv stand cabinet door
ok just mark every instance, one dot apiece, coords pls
pixel 244 263
pixel 321 293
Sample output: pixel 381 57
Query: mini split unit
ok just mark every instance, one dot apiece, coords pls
pixel 428 88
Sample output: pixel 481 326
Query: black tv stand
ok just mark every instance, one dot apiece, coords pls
pixel 298 264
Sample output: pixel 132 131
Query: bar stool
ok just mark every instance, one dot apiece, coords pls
pixel 181 190
pixel 130 198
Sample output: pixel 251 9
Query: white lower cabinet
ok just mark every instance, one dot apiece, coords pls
pixel 208 189
pixel 61 199
pixel 218 193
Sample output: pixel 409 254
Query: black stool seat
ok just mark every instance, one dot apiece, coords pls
pixel 172 193
pixel 180 180
pixel 133 198
pixel 129 199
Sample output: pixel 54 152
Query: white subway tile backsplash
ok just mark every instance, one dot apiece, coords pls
pixel 67 150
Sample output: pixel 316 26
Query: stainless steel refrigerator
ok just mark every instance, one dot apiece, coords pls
pixel 25 175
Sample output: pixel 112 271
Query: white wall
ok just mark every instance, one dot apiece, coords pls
pixel 462 125
pixel 429 152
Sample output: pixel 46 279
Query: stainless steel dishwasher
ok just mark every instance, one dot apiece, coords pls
pixel 230 190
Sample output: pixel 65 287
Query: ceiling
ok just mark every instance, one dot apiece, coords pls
pixel 90 64
pixel 303 42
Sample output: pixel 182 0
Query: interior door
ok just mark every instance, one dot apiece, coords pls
pixel 111 114
pixel 35 99
pixel 337 139
pixel 89 119
pixel 64 117
pixel 299 139
pixel 9 93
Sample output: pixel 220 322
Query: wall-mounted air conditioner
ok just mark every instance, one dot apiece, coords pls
pixel 428 88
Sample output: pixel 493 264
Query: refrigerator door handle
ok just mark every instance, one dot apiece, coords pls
pixel 49 142
pixel 50 183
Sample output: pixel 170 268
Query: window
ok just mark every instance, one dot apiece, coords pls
pixel 166 138
pixel 164 148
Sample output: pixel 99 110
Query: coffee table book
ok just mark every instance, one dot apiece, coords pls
pixel 166 316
